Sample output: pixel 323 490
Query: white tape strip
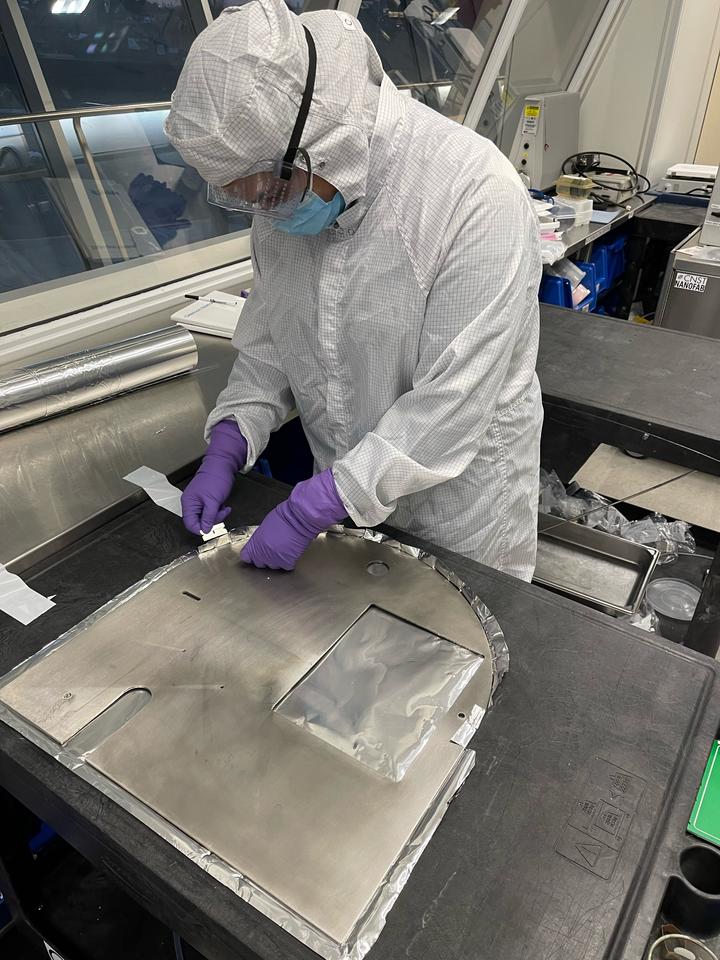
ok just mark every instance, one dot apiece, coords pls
pixel 19 600
pixel 469 726
pixel 157 486
pixel 219 530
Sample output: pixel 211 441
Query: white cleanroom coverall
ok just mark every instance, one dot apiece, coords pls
pixel 406 334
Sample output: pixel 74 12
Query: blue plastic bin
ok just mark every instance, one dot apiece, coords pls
pixel 555 290
pixel 599 258
pixel 616 259
pixel 42 838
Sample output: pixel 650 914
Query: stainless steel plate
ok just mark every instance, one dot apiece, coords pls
pixel 218 645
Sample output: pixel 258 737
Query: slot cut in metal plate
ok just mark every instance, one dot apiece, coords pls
pixel 290 819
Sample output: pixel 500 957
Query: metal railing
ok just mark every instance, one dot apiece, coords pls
pixel 83 112
pixel 77 115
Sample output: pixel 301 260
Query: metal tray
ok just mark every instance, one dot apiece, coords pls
pixel 597 568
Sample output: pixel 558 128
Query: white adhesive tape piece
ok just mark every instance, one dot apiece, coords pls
pixel 19 600
pixel 157 486
pixel 219 530
pixel 469 726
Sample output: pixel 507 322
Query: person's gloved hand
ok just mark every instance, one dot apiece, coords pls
pixel 289 529
pixel 203 500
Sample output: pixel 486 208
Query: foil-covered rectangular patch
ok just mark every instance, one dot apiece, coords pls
pixel 379 692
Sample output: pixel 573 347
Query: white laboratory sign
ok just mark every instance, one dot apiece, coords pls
pixel 690 281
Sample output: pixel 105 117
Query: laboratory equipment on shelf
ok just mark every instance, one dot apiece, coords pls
pixel 547 133
pixel 687 181
pixel 690 297
pixel 611 185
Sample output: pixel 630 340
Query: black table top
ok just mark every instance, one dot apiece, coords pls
pixel 686 214
pixel 587 702
pixel 646 378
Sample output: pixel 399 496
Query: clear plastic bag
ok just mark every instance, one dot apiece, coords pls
pixel 551 251
pixel 569 271
pixel 601 514
pixel 669 537
pixel 553 498
pixel 577 504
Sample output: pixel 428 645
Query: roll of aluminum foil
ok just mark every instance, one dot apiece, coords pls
pixel 66 383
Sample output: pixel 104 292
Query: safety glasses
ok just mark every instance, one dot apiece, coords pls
pixel 275 188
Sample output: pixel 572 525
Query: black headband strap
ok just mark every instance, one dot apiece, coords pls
pixel 307 96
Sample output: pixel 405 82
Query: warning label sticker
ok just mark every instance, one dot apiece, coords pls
pixel 531 113
pixel 598 826
pixel 690 281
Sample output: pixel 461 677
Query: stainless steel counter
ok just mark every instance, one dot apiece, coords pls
pixel 62 478
pixel 578 237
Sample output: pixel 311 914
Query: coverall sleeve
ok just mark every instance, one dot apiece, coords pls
pixel 475 313
pixel 258 394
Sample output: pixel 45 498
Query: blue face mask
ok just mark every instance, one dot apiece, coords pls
pixel 312 216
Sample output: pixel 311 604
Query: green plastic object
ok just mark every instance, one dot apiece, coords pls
pixel 705 818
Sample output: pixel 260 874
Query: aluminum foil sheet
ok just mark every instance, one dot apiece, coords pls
pixel 493 630
pixel 79 753
pixel 380 691
pixel 66 383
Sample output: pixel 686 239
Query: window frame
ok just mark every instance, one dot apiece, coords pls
pixel 36 304
pixel 40 303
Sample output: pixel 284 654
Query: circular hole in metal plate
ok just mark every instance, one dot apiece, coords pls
pixel 461 716
pixel 377 568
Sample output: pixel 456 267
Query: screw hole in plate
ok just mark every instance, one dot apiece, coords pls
pixel 461 716
pixel 378 568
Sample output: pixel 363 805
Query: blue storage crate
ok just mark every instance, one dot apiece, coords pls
pixel 263 468
pixel 42 838
pixel 616 259
pixel 555 290
pixel 599 258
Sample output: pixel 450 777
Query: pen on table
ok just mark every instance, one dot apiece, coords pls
pixel 194 296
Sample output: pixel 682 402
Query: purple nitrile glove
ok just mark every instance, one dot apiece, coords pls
pixel 289 529
pixel 203 500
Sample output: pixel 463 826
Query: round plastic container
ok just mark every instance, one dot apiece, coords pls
pixel 675 599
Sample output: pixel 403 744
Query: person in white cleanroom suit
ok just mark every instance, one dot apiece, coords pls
pixel 394 301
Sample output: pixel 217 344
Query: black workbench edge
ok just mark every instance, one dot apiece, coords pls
pixel 179 892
